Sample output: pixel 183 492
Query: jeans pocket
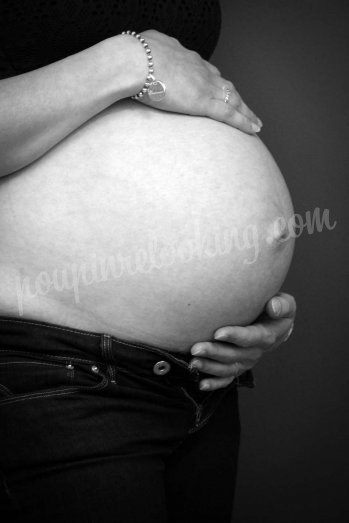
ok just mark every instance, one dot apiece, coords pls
pixel 29 377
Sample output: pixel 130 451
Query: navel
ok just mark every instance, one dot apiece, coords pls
pixel 278 232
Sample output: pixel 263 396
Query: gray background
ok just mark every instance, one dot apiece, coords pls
pixel 289 61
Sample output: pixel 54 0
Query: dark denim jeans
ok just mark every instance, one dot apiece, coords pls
pixel 96 429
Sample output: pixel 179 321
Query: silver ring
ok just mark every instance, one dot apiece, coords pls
pixel 227 94
pixel 289 333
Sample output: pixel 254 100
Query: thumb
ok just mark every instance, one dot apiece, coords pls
pixel 281 305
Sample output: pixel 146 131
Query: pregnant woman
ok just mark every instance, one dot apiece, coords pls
pixel 132 233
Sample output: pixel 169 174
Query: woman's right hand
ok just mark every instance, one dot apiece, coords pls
pixel 194 86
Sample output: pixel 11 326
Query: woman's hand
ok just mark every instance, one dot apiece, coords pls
pixel 238 349
pixel 194 86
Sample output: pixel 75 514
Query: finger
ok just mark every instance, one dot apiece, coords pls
pixel 279 331
pixel 261 335
pixel 222 370
pixel 281 305
pixel 215 383
pixel 227 113
pixel 288 334
pixel 234 99
pixel 266 335
pixel 223 88
pixel 213 69
pixel 224 352
pixel 245 110
pixel 221 83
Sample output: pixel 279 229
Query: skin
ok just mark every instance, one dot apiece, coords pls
pixel 238 349
pixel 196 87
pixel 69 92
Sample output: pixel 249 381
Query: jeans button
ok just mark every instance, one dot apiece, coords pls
pixel 161 367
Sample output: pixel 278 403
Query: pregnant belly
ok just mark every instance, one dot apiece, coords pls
pixel 146 225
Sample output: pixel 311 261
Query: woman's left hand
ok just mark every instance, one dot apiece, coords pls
pixel 237 349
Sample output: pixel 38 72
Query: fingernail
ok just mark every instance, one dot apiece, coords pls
pixel 289 332
pixel 276 306
pixel 260 123
pixel 197 350
pixel 204 386
pixel 255 128
pixel 220 336
pixel 195 364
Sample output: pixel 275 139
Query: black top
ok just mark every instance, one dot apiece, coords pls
pixel 38 32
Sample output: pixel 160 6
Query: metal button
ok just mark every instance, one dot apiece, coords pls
pixel 161 367
pixel 94 368
pixel 70 366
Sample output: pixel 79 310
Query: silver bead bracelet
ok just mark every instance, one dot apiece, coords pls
pixel 155 89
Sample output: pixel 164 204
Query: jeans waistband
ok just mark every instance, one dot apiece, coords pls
pixel 23 335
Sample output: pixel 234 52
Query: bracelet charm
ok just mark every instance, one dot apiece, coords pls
pixel 155 89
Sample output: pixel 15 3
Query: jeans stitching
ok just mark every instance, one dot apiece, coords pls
pixel 56 392
pixel 96 335
pixel 5 390
pixel 224 391
pixel 8 492
pixel 50 356
pixel 32 363
pixel 198 409
pixel 201 424
pixel 107 353
pixel 84 333
pixel 38 395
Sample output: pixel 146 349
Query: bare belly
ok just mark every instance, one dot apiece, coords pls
pixel 146 225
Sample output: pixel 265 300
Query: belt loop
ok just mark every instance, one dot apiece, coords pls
pixel 106 346
pixel 107 355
